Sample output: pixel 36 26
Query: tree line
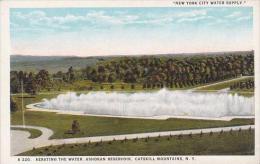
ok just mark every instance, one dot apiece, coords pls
pixel 150 71
pixel 168 71
pixel 248 84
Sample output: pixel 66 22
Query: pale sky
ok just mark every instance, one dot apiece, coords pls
pixel 130 31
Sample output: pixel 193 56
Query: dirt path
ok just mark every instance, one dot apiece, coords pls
pixel 20 141
pixel 221 82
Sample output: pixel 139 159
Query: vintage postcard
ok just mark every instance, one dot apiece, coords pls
pixel 130 81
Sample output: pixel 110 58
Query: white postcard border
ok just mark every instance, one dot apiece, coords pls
pixel 5 71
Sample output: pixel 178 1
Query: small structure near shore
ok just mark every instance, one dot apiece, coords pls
pixel 75 128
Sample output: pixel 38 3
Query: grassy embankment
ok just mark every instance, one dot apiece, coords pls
pixel 225 84
pixel 85 85
pixel 216 87
pixel 227 143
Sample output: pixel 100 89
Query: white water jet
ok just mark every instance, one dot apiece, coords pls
pixel 160 103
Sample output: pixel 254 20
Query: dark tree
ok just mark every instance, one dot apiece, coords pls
pixel 42 79
pixel 70 75
pixel 13 106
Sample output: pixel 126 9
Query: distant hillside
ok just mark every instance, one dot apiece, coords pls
pixel 50 63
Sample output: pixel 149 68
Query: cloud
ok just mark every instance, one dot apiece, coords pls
pixel 194 19
pixel 239 16
pixel 184 16
pixel 96 18
pixel 234 15
pixel 69 18
pixel 126 31
pixel 40 18
pixel 33 14
pixel 217 21
pixel 192 13
pixel 243 18
pixel 100 16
